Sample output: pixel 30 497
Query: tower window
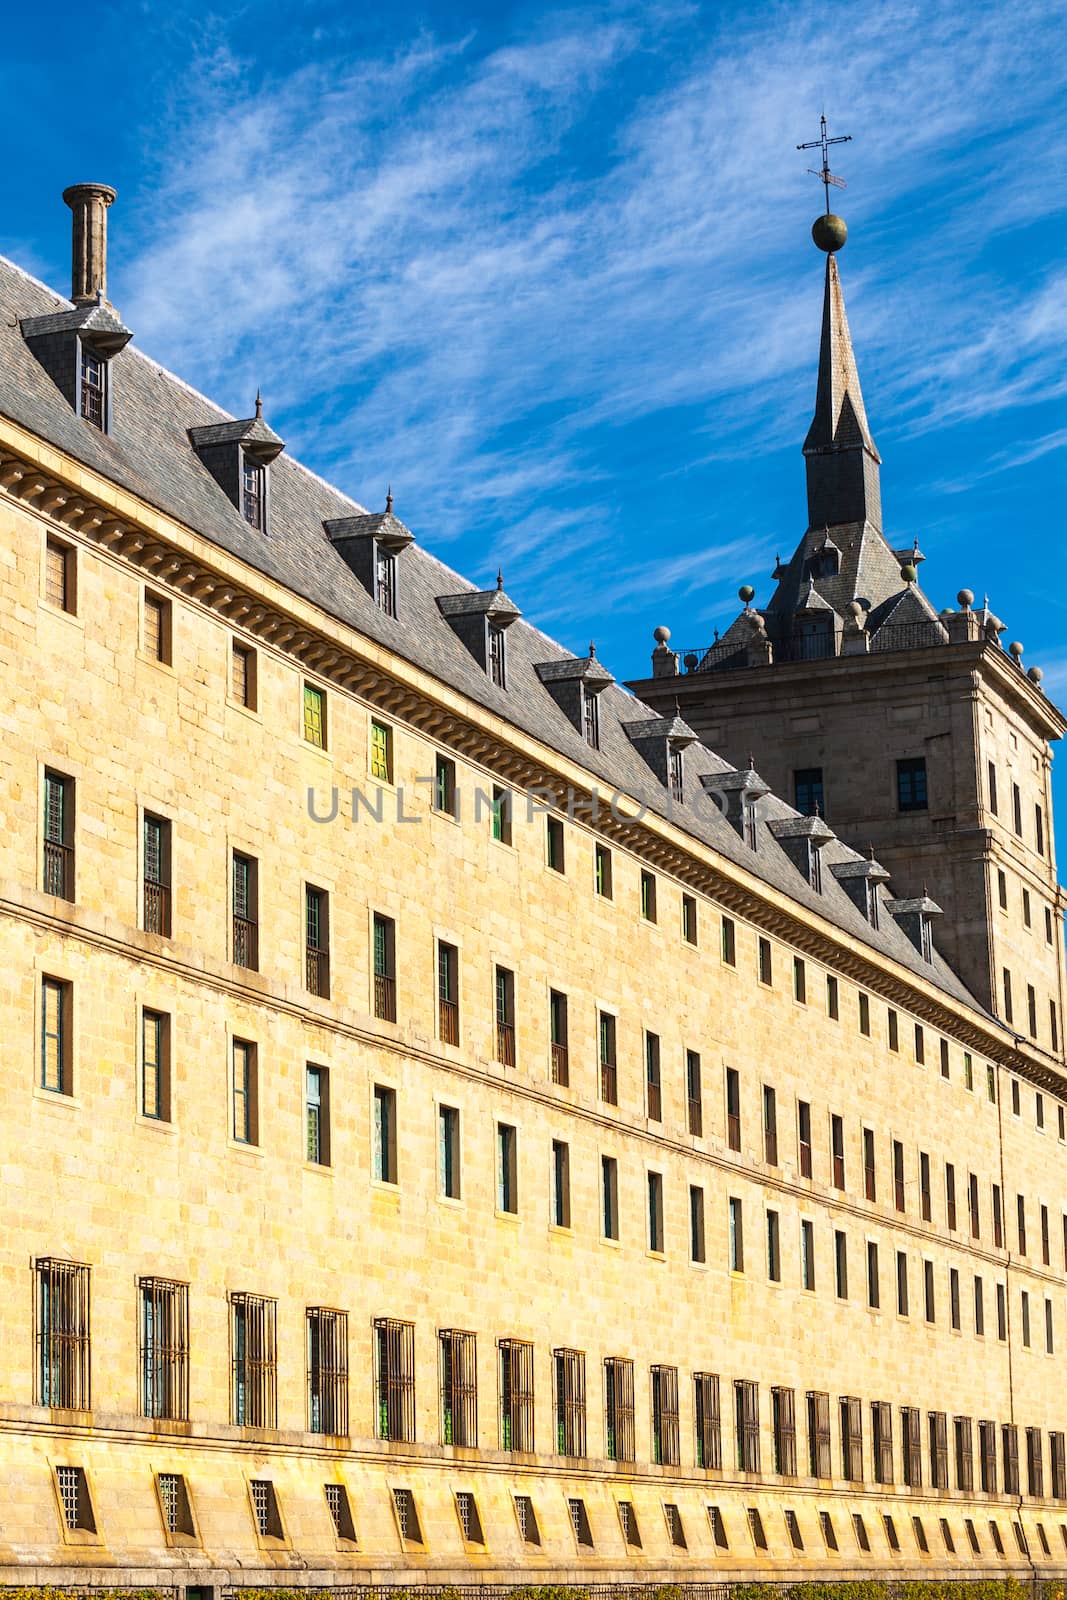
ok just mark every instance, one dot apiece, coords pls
pixel 808 791
pixel 911 784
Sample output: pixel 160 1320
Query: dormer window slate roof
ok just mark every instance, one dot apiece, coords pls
pixel 238 455
pixel 480 618
pixel 574 684
pixel 860 880
pixel 737 793
pixel 370 545
pixel 802 838
pixel 915 917
pixel 75 349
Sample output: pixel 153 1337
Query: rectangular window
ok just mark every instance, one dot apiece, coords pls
pixel 245 889
pixel 62 1335
pixel 1009 1445
pixel 800 981
pixel 1058 1456
pixel 384 956
pixel 444 785
pixel 925 1202
pixel 819 1464
pixel 175 1505
pixel 774 1248
pixel 733 1109
pixel 770 1126
pixel 1025 1307
pixel 804 1137
pixel 992 783
pixel 253 492
pixel 783 1422
pixel 837 1151
pixel 157 629
pixel 56 1053
pixel 385 1166
pixel 1002 889
pixel 497 641
pixel 944 1058
pixel 666 1447
pixel 245 1097
pixel 874 1292
pixel 583 1537
pixel 973 1213
pixel 569 1400
pixel 882 1440
pixel 998 1218
pixel 708 1420
pixel 911 784
pixel 58 862
pixel 826 1524
pixel 938 1432
pixel 77 1502
pixel 653 1087
pixel 609 1188
pixel 557 1031
pixel 447 992
pixel 729 942
pixel 591 722
pixel 59 575
pixel 394 1379
pixel 766 970
pixel 648 896
pixel 870 1188
pixel 448 1166
pixel 1026 908
pixel 807 1255
pixel 381 751
pixel 501 814
pixel 1002 1313
pixel 840 1264
pixel 694 1098
pixel 911 1447
pixel 340 1511
pixel 655 1212
pixel 950 1195
pixel 696 1224
pixel 459 1388
pixel 929 1307
pixel 1020 1209
pixel 609 1082
pixel 317 1115
pixel 327 1369
pixel 892 1030
pixel 1009 1009
pixel 902 1284
pixel 561 1184
pixel 516 1394
pixel 987 1457
pixel 507 1169
pixel 156 835
pixel 317 941
pixel 253 1361
pixel 737 1235
pixel 243 675
pixel 808 792
pixel 864 1002
pixel 407 1516
pixel 920 1045
pixel 1049 1329
pixel 851 1414
pixel 1035 1466
pixel 504 998
pixel 555 854
pixel 746 1425
pixel 1017 809
pixel 1031 1009
pixel 155 1065
pixel 619 1408
pixel 833 998
pixel 898 1175
pixel 979 1308
pixel 689 919
pixel 961 1428
pixel 1039 830
pixel 604 885
pixel 315 716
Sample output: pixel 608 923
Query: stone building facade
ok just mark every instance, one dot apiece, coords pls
pixel 457 1126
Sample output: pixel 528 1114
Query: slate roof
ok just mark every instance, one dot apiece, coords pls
pixel 149 453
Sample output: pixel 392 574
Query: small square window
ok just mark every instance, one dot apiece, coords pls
pixel 75 1499
pixel 407 1516
pixel 340 1511
pixel 174 1505
pixel 265 1509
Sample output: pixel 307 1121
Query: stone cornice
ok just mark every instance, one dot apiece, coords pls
pixel 171 555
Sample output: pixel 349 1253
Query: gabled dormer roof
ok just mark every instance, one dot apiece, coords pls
pixel 97 326
pixel 252 434
pixel 492 604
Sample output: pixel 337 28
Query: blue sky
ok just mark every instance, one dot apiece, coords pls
pixel 547 270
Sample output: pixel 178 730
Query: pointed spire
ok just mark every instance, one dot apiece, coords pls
pixel 259 405
pixel 389 498
pixel 842 458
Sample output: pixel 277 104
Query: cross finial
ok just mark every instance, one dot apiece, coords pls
pixel 389 498
pixel 259 405
pixel 823 143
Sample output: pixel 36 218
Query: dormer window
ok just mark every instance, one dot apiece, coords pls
pixel 802 839
pixel 872 902
pixel 371 545
pixel 498 656
pixel 915 917
pixel 479 619
pixel 860 880
pixel 590 719
pixel 926 939
pixel 94 389
pixel 385 580
pixel 824 564
pixel 674 772
pixel 576 684
pixel 253 496
pixel 737 793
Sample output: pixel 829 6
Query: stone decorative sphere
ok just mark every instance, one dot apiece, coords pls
pixel 1016 648
pixel 691 661
pixel 909 573
pixel 661 635
pixel 1035 674
pixel 965 598
pixel 746 593
pixel 829 232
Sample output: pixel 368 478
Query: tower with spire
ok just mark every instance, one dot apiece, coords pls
pixel 905 728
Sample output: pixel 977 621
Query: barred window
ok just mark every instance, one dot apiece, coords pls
pixel 340 1511
pixel 819 1464
pixel 631 1531
pixel 580 1523
pixel 675 1526
pixel 253 1334
pixel 164 1348
pixel 61 1335
pixel 516 1394
pixel 245 911
pixel 75 1499
pixel 666 1448
pixel 384 968
pixel 317 941
pixel 851 1438
pixel 459 1388
pixel 792 1523
pixel 529 1532
pixel 718 1528
pixel 783 1417
pixel 469 1521
pixel 882 1440
pixel 708 1420
pixel 448 992
pixel 569 1373
pixel 394 1378
pixel 156 875
pixel 174 1505
pixel 619 1408
pixel 327 1365
pixel 407 1516
pixel 265 1509
pixel 746 1424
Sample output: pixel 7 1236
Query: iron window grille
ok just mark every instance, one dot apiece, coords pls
pixel 505 1016
pixel 828 1533
pixel 580 1523
pixel 94 385
pixel 631 1532
pixel 469 1521
pixel 55 1035
pixel 882 1440
pixel 557 1029
pixel 384 939
pixel 708 1420
pixel 792 1524
pixel 619 1408
pixel 570 1409
pixel 819 1462
pixel 407 1516
pixel 653 1088
pixel 327 1369
pixel 516 1394
pixel 58 866
pixel 75 1499
pixel 174 1504
pixel 447 992
pixel 666 1439
pixel 609 1088
pixel 244 1074
pixel 529 1532
pixel 265 1509
pixel 394 1379
pixel 746 1420
pixel 675 1526
pixel 62 1335
pixel 156 875
pixel 694 1094
pixel 254 1361
pixel 164 1349
pixel 783 1417
pixel 756 1528
pixel 851 1438
pixel 317 949
pixel 245 929
pixel 340 1511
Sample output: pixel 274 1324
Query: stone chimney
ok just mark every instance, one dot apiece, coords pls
pixel 89 203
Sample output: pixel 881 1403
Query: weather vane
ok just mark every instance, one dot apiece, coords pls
pixel 823 143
